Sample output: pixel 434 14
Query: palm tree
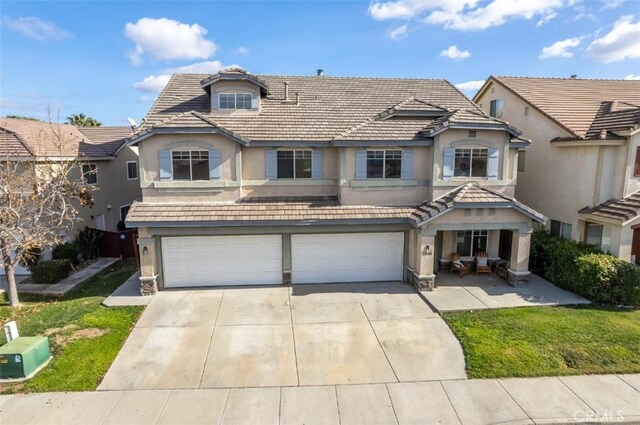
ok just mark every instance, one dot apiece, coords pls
pixel 80 120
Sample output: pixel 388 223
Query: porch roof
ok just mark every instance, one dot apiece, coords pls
pixel 618 210
pixel 471 195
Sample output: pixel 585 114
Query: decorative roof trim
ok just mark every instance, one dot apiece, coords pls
pixel 234 74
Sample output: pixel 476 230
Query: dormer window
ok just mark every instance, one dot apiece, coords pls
pixel 235 101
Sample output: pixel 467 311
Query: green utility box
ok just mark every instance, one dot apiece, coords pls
pixel 23 356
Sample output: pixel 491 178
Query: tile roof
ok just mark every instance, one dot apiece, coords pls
pixel 571 102
pixel 621 210
pixel 10 145
pixel 261 210
pixel 614 116
pixel 467 118
pixel 313 209
pixel 329 106
pixel 469 196
pixel 60 140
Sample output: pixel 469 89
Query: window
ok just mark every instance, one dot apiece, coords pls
pixel 386 164
pixel 124 210
pixel 497 107
pixel 560 229
pixel 636 169
pixel 132 170
pixel 470 242
pixel 190 165
pixel 521 161
pixel 594 234
pixel 235 101
pixel 90 173
pixel 471 162
pixel 294 164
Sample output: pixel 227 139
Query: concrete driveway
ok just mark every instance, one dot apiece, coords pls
pixel 286 336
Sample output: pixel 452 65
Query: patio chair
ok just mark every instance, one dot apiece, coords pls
pixel 458 266
pixel 482 263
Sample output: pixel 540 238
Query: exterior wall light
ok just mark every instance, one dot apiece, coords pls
pixel 426 250
pixel 145 250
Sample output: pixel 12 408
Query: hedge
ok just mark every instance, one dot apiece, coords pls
pixel 66 251
pixel 585 270
pixel 48 272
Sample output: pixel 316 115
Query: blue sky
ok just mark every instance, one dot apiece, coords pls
pixel 109 59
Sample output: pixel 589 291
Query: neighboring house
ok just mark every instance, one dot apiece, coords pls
pixel 107 163
pixel 250 180
pixel 583 167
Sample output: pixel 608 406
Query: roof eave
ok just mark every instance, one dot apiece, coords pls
pixel 252 223
pixel 134 140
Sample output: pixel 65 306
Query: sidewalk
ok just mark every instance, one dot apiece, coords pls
pixel 576 399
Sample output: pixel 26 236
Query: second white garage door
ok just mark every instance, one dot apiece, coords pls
pixel 222 260
pixel 347 257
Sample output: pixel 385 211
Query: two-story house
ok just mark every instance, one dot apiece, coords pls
pixel 105 162
pixel 250 180
pixel 583 167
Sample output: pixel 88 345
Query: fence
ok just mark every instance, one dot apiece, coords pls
pixel 119 244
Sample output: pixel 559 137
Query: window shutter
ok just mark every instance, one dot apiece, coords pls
pixel 492 108
pixel 492 164
pixel 215 100
pixel 164 164
pixel 448 163
pixel 214 164
pixel 271 164
pixel 317 164
pixel 361 165
pixel 407 164
pixel 255 101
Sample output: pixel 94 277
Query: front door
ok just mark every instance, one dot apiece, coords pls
pixel 506 237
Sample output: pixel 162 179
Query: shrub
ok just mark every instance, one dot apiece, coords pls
pixel 87 242
pixel 66 251
pixel 585 270
pixel 50 271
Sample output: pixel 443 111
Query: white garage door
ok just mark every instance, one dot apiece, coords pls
pixel 347 257
pixel 222 260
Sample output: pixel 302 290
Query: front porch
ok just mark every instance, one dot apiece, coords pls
pixel 482 292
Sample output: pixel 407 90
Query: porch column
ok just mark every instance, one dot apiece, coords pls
pixel 423 277
pixel 519 268
pixel 148 271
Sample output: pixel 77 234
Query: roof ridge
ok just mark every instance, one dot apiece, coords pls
pixel 323 77
pixel 559 78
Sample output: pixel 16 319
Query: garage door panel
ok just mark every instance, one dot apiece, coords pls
pixel 222 260
pixel 353 257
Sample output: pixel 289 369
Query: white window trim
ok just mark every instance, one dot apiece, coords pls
pixel 294 164
pixel 384 159
pixel 235 100
pixel 136 163
pixel 190 164
pixel 120 210
pixel 485 177
pixel 84 181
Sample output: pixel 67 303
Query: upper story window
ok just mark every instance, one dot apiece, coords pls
pixel 294 164
pixel 90 173
pixel 235 101
pixel 132 170
pixel 471 162
pixel 496 108
pixel 636 168
pixel 384 164
pixel 190 165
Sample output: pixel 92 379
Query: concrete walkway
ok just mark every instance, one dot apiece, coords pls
pixel 128 294
pixel 578 399
pixel 484 292
pixel 70 282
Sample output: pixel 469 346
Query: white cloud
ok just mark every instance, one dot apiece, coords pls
pixel 612 4
pixel 398 32
pixel 155 83
pixel 546 19
pixel 454 53
pixel 407 9
pixel 632 77
pixel 560 48
pixel 242 50
pixel 35 28
pixel 166 39
pixel 466 15
pixel 622 42
pixel 470 85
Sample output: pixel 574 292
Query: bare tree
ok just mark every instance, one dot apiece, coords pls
pixel 38 199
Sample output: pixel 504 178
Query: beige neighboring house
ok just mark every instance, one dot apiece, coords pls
pixel 583 167
pixel 107 163
pixel 251 180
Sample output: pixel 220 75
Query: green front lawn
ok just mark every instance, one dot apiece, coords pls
pixel 543 341
pixel 84 336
